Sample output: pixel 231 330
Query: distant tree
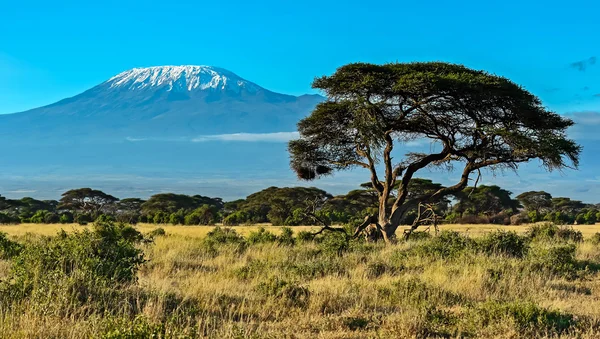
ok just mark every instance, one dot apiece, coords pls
pixel 566 205
pixel 204 215
pixel 485 200
pixel 472 119
pixel 538 201
pixel 171 203
pixel 86 201
pixel 129 210
pixel 276 205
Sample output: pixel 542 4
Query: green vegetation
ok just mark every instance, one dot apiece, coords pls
pixel 110 281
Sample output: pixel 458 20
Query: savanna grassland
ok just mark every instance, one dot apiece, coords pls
pixel 109 281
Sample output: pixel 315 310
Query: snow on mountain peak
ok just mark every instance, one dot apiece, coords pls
pixel 181 78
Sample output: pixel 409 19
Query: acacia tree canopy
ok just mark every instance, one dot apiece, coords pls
pixel 476 119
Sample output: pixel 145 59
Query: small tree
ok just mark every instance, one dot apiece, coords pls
pixel 475 120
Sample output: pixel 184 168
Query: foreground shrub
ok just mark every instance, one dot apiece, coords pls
pixel 8 248
pixel 290 293
pixel 528 317
pixel 157 232
pixel 334 242
pixel 223 236
pixel 559 260
pixel 78 261
pixel 286 237
pixel 549 232
pixel 262 236
pixel 304 236
pixel 447 244
pixel 504 243
pixel 595 239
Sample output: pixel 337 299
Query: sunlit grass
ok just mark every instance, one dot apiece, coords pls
pixel 201 231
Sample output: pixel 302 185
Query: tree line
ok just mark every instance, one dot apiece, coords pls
pixel 293 206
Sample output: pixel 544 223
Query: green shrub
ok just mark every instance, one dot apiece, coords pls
pixel 157 232
pixel 223 235
pixel 334 242
pixel 559 260
pixel 549 231
pixel 417 236
pixel 447 244
pixel 304 236
pixel 262 236
pixel 104 218
pixel 140 327
pixel 219 237
pixel 595 239
pixel 108 252
pixel 8 248
pixel 504 243
pixel 527 317
pixel 289 292
pixel 286 237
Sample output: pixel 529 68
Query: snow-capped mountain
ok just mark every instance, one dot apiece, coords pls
pixel 161 102
pixel 181 78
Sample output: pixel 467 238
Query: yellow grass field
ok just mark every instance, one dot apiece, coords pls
pixel 412 289
pixel 201 231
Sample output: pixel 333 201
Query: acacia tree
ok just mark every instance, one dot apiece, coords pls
pixel 86 200
pixel 475 119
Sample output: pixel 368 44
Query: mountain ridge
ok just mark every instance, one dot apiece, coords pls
pixel 163 101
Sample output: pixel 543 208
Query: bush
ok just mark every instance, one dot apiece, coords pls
pixel 595 239
pixel 559 260
pixel 104 218
pixel 446 245
pixel 291 293
pixel 223 236
pixel 504 243
pixel 304 236
pixel 526 315
pixel 76 263
pixel 417 236
pixel 262 236
pixel 287 237
pixel 334 242
pixel 157 232
pixel 8 248
pixel 549 231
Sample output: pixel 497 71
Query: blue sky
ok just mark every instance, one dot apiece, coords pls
pixel 52 50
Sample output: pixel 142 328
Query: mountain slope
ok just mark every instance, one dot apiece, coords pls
pixel 161 102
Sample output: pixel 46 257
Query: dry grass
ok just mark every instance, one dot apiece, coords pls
pixel 201 231
pixel 415 295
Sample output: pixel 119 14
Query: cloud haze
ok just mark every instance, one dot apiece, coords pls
pixel 250 137
pixel 582 65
